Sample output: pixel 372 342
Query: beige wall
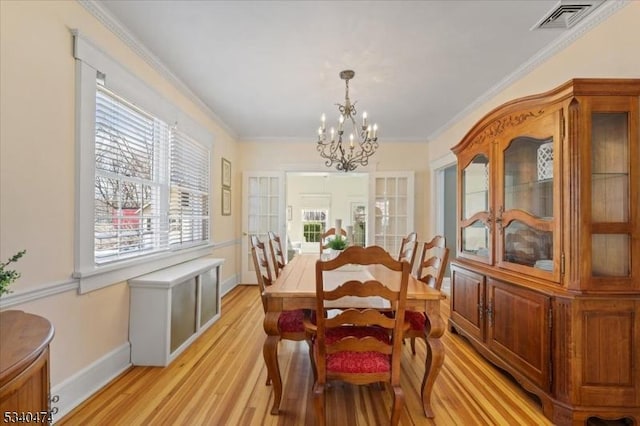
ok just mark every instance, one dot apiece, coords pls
pixel 37 181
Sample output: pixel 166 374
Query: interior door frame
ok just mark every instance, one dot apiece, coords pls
pixel 248 275
pixel 438 168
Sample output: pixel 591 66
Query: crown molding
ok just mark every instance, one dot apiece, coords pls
pixel 312 139
pixel 119 30
pixel 591 21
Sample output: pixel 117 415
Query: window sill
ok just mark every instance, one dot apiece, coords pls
pixel 107 275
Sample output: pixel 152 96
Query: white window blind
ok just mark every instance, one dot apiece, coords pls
pixel 128 181
pixel 135 152
pixel 189 200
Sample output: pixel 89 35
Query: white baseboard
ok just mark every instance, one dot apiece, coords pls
pixel 229 284
pixel 77 388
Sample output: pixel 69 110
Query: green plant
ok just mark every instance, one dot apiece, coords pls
pixel 337 243
pixel 8 276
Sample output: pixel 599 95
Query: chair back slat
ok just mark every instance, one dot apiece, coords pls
pixel 277 254
pixel 360 289
pixel 433 261
pixel 409 248
pixel 364 344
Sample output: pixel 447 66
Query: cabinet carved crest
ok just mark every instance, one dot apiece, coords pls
pixel 497 127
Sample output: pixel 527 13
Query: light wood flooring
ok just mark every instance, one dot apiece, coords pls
pixel 220 380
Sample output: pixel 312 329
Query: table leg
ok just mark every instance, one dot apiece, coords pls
pixel 270 353
pixel 434 329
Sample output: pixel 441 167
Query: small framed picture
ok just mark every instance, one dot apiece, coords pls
pixel 226 202
pixel 226 173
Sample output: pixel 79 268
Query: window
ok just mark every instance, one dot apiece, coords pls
pixel 131 148
pixel 143 197
pixel 314 224
pixel 128 180
pixel 189 200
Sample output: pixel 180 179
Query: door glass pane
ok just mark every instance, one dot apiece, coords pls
pixel 402 187
pixel 528 246
pixel 610 255
pixel 475 239
pixel 475 187
pixel 610 167
pixel 393 215
pixel 528 176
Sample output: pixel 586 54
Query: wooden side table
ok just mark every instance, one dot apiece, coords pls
pixel 24 368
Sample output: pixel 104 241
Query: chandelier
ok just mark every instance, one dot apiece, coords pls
pixel 363 140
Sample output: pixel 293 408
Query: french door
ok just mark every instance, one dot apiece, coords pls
pixel 262 211
pixel 391 209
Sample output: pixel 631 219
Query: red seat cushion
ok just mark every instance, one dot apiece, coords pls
pixel 416 320
pixel 291 321
pixel 357 362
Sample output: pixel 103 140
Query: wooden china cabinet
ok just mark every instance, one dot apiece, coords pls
pixel 546 284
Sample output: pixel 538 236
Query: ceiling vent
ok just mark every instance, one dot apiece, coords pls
pixel 567 13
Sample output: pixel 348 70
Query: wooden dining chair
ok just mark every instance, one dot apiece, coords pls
pixel 409 249
pixel 433 263
pixel 358 346
pixel 324 238
pixel 290 323
pixel 277 255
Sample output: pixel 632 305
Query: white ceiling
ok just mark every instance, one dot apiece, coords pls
pixel 268 69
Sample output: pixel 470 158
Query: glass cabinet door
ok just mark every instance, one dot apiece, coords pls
pixel 526 201
pixel 475 232
pixel 610 193
pixel 614 146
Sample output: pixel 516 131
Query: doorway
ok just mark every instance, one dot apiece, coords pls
pixel 315 200
pixel 449 214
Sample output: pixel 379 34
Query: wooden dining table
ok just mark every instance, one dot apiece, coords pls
pixel 295 288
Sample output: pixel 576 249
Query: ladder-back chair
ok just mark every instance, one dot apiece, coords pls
pixel 433 262
pixel 359 346
pixel 290 323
